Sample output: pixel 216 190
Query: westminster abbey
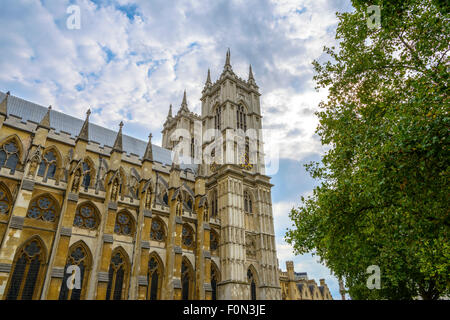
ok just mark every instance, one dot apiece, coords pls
pixel 90 213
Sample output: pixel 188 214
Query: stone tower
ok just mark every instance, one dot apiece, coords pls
pixel 235 181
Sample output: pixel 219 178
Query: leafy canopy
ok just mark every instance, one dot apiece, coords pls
pixel 383 197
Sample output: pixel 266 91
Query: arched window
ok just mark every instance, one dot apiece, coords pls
pixel 214 204
pixel 241 118
pixel 43 208
pixel 5 200
pixel 47 168
pixel 154 278
pixel 252 282
pixel 214 280
pixel 187 279
pixel 248 206
pixel 124 224
pixel 118 276
pixel 188 202
pixel 86 217
pixel 79 260
pixel 86 175
pixel 213 241
pixel 217 117
pixel 157 232
pixel 165 198
pixel 192 148
pixel 9 155
pixel 188 237
pixel 27 273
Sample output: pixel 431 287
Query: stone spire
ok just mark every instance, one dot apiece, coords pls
pixel 45 122
pixel 84 132
pixel 251 79
pixel 227 66
pixel 170 112
pixel 118 143
pixel 4 105
pixel 184 103
pixel 208 79
pixel 148 155
pixel 227 58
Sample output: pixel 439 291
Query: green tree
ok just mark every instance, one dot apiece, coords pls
pixel 384 182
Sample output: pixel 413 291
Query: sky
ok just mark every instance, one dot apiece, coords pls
pixel 129 60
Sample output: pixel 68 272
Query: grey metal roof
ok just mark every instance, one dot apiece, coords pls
pixel 62 122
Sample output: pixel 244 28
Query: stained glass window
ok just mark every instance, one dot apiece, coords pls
pixel 187 237
pixel 124 224
pixel 214 204
pixel 118 272
pixel 5 200
pixel 43 208
pixel 79 257
pixel 157 232
pixel 86 217
pixel 241 118
pixel 154 278
pixel 166 199
pixel 26 270
pixel 252 282
pixel 86 175
pixel 186 277
pixel 213 240
pixel 9 155
pixel 47 167
pixel 217 118
pixel 214 280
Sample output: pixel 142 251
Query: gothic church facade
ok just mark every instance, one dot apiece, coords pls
pixel 90 213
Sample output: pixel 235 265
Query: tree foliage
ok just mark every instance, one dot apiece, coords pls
pixel 384 183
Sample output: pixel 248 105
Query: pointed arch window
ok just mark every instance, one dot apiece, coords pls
pixel 214 280
pixel 47 168
pixel 165 198
pixel 79 259
pixel 252 282
pixel 214 204
pixel 43 208
pixel 157 232
pixel 86 217
pixel 154 279
pixel 186 280
pixel 86 175
pixel 124 224
pixel 187 236
pixel 118 277
pixel 27 274
pixel 241 118
pixel 213 241
pixel 9 155
pixel 5 200
pixel 217 117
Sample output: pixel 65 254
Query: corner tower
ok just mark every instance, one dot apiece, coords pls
pixel 238 189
